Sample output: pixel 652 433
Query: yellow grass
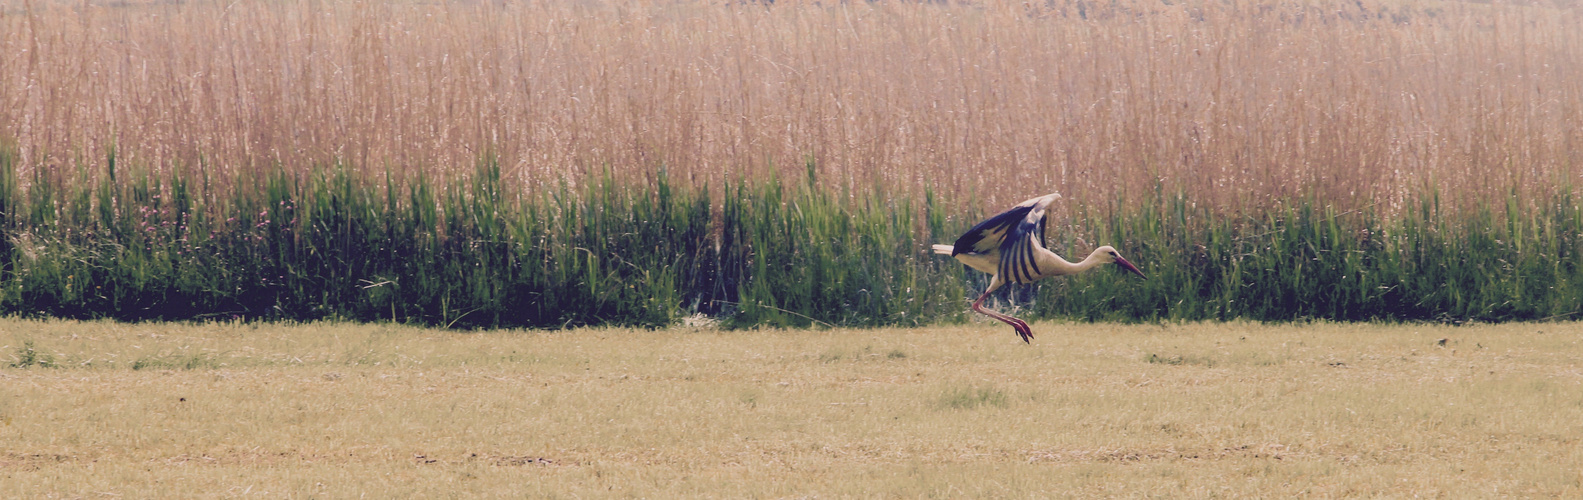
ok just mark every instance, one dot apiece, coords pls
pixel 1196 410
pixel 1237 103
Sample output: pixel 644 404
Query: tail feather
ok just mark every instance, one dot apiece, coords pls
pixel 944 249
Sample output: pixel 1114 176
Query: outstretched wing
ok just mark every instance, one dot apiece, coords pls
pixel 990 235
pixel 985 237
pixel 1017 264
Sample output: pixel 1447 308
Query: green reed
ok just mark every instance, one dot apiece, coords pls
pixel 810 256
pixel 469 252
pixel 1306 260
pixel 462 252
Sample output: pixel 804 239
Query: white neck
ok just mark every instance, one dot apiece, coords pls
pixel 1054 265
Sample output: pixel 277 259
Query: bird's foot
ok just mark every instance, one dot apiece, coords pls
pixel 1023 331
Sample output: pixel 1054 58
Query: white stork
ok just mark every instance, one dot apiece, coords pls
pixel 1010 246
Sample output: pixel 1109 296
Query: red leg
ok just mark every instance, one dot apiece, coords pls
pixel 1016 324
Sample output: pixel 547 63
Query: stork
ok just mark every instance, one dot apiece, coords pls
pixel 1010 246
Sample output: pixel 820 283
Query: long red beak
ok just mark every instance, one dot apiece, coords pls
pixel 1128 266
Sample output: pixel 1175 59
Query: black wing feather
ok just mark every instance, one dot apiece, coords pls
pixel 1017 263
pixel 991 233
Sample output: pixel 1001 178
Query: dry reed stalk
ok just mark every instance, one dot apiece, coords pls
pixel 1241 106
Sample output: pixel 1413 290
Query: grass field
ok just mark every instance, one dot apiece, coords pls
pixel 91 409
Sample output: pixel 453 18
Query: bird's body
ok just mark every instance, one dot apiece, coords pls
pixel 1010 246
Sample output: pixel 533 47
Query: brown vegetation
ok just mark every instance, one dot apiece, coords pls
pixel 1357 103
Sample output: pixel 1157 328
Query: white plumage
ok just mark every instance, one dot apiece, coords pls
pixel 1010 246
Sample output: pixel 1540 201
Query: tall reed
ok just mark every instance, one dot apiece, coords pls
pixel 1241 105
pixel 464 253
pixel 1307 260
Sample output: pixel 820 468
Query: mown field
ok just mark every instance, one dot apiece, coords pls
pixel 91 409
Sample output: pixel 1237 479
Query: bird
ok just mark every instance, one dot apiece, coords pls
pixel 1010 247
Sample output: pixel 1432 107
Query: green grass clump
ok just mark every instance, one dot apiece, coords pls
pixel 175 362
pixel 28 356
pixel 967 398
pixel 1178 359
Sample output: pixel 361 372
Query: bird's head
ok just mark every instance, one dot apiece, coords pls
pixel 1109 255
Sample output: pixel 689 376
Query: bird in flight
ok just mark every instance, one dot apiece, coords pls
pixel 1010 246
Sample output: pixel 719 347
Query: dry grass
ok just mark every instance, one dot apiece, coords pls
pixel 1358 103
pixel 1183 410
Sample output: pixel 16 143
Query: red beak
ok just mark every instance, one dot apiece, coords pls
pixel 1128 266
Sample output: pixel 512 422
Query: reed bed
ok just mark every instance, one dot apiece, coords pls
pixel 499 163
pixel 459 253
pixel 1241 105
